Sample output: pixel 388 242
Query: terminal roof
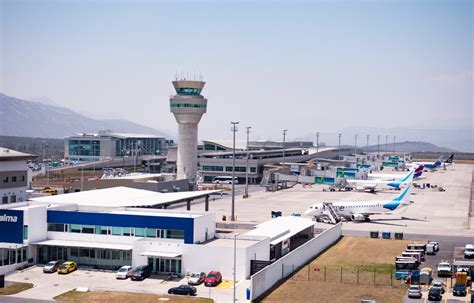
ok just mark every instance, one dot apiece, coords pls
pixel 281 228
pixel 122 197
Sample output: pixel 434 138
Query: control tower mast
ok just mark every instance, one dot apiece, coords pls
pixel 188 106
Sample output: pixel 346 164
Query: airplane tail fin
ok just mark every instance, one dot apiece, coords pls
pixel 407 177
pixel 450 159
pixel 418 171
pixel 405 194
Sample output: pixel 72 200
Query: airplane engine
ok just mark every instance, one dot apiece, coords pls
pixel 358 217
pixel 360 188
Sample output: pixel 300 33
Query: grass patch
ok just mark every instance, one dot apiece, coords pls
pixel 15 288
pixel 320 280
pixel 123 297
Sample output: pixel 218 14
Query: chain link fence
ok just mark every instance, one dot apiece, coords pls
pixel 363 275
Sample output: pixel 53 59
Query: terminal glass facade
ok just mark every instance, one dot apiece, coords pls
pixel 9 256
pixel 187 105
pixel 165 265
pixel 90 148
pixel 117 231
pixel 96 257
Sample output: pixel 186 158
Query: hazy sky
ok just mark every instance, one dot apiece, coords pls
pixel 304 66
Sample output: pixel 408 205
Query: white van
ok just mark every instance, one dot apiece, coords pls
pixel 224 180
pixel 469 251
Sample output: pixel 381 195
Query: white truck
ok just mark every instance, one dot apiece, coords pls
pixel 444 269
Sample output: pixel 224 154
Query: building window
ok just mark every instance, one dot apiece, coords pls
pixel 25 232
pixel 174 234
pixel 253 169
pixel 139 232
pixel 75 228
pixel 55 227
pixel 5 179
pixel 151 232
pixel 74 251
pixel 14 179
pixel 22 178
pixel 12 198
pixel 88 229
pixel 116 231
pixel 126 231
pixel 101 230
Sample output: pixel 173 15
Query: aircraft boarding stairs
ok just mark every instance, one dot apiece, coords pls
pixel 330 212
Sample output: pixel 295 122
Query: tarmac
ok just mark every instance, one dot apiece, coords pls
pixel 433 212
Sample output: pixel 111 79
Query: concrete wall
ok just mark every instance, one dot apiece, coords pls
pixel 203 224
pixel 148 244
pixel 35 218
pixel 282 268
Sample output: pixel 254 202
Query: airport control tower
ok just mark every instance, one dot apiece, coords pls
pixel 188 106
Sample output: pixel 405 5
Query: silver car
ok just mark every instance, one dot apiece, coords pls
pixel 415 291
pixel 124 272
pixel 196 278
pixel 439 285
pixel 51 267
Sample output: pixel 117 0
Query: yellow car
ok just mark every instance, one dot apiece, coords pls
pixel 67 267
pixel 51 191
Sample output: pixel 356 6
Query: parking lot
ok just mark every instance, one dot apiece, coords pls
pixel 48 286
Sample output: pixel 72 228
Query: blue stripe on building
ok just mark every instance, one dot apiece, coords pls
pixel 11 232
pixel 119 220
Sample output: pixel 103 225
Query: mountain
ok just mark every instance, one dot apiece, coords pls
pixel 411 147
pixel 451 139
pixel 36 119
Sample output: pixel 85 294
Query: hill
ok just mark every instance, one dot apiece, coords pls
pixel 33 119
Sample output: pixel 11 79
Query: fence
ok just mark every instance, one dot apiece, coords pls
pixel 347 275
pixel 265 279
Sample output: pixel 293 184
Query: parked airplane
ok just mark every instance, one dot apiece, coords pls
pixel 373 185
pixel 361 210
pixel 391 177
pixel 428 165
pixel 449 161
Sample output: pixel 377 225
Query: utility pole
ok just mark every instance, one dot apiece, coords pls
pixel 339 149
pixel 317 142
pixel 235 266
pixel 386 144
pixel 284 141
pixel 234 129
pixel 247 164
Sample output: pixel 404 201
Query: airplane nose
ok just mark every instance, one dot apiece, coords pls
pixel 308 212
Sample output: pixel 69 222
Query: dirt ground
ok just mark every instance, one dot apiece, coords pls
pixel 123 297
pixel 348 254
pixel 14 288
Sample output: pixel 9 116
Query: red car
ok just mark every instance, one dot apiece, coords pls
pixel 213 278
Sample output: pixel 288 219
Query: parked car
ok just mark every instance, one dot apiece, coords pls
pixel 430 249
pixel 124 272
pixel 439 285
pixel 196 278
pixel 459 289
pixel 415 291
pixel 140 273
pixel 213 278
pixel 49 190
pixel 435 295
pixel 67 267
pixel 436 245
pixel 51 267
pixel 444 269
pixel 184 289
pixel 469 251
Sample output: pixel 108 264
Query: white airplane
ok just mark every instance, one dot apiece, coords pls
pixel 391 177
pixel 361 210
pixel 374 185
pixel 427 165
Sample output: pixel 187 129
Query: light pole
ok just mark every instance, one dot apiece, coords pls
pixel 386 144
pixel 317 142
pixel 355 145
pixel 284 141
pixel 234 129
pixel 394 138
pixel 235 263
pixel 378 145
pixel 247 164
pixel 367 152
pixel 339 149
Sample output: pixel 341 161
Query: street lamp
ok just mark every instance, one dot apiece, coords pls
pixel 317 142
pixel 339 149
pixel 386 144
pixel 378 145
pixel 367 153
pixel 394 138
pixel 247 164
pixel 284 141
pixel 235 263
pixel 234 129
pixel 355 146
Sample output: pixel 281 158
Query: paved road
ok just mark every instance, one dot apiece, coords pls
pixel 7 299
